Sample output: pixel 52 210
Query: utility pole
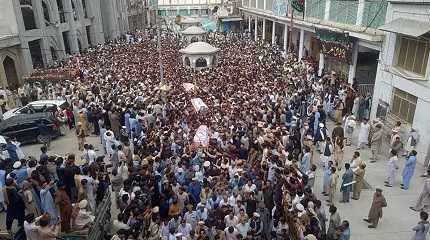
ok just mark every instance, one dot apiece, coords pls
pixel 143 14
pixel 291 28
pixel 160 61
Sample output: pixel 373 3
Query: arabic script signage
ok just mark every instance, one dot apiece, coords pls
pixel 333 44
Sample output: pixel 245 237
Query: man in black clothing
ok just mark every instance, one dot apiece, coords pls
pixel 16 205
pixel 69 177
pixel 251 205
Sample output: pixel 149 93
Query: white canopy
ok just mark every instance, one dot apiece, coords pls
pixel 199 48
pixel 194 30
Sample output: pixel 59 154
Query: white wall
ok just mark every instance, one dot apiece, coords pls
pixel 387 79
pixel 8 24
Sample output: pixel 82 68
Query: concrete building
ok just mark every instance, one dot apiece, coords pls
pixel 348 26
pixel 194 8
pixel 138 14
pixel 10 50
pixel 402 90
pixel 36 33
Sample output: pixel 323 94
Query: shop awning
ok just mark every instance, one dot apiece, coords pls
pixel 407 27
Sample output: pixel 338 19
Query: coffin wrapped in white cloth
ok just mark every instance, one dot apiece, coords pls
pixel 199 105
pixel 201 138
pixel 188 86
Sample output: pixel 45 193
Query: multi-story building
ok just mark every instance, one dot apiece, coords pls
pixel 138 14
pixel 10 50
pixel 194 8
pixel 348 29
pixel 35 33
pixel 402 89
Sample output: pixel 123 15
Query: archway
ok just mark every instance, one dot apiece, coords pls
pixel 194 39
pixel 201 62
pixel 53 54
pixel 187 61
pixel 11 74
pixel 214 61
pixel 79 46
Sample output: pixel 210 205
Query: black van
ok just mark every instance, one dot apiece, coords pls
pixel 25 128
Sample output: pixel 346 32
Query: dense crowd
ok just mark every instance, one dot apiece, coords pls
pixel 241 168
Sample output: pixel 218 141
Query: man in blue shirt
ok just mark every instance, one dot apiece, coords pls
pixel 11 150
pixel 20 172
pixel 346 232
pixel 194 190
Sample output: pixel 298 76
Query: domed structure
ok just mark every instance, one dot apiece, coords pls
pixel 194 34
pixel 199 55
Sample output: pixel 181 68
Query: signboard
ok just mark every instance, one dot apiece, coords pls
pixel 335 44
pixel 280 8
pixel 153 3
pixel 209 25
pixel 298 5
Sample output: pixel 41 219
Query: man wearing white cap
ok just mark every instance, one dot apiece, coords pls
pixel 256 226
pixel 84 218
pixel 184 229
pixel 202 212
pixel 20 172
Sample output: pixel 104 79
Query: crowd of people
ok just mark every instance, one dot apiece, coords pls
pixel 241 168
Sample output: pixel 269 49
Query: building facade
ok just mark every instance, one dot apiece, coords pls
pixel 10 51
pixel 36 33
pixel 193 8
pixel 350 24
pixel 138 14
pixel 402 89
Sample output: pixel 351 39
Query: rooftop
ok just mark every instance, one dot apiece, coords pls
pixel 193 30
pixel 199 48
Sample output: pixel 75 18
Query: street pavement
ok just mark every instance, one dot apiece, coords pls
pixel 397 220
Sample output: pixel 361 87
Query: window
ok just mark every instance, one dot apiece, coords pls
pixel 66 42
pixel 201 62
pixel 413 55
pixel 84 6
pixel 403 105
pixel 53 53
pixel 28 17
pixel 46 12
pixel 88 30
pixel 36 53
pixel 25 2
pixel 10 129
pixel 61 11
pixel 75 14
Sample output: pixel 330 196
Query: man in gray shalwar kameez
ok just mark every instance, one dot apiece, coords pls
pixel 423 202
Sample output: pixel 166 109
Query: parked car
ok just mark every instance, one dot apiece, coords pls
pixel 25 127
pixel 37 107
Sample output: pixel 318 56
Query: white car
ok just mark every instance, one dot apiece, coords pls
pixel 36 107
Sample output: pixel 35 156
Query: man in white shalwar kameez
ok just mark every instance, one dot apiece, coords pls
pixel 349 128
pixel 363 134
pixel 393 167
